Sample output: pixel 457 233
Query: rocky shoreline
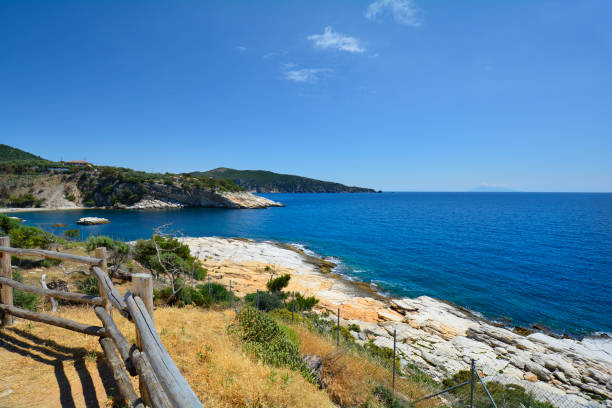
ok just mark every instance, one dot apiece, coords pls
pixel 237 200
pixel 437 336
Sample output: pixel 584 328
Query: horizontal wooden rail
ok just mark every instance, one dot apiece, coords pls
pixel 58 294
pixel 51 254
pixel 136 360
pixel 112 294
pixel 53 320
pixel 172 380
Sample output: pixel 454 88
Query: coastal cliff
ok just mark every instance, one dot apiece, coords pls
pixel 83 190
pixel 30 181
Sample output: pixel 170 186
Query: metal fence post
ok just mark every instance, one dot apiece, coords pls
pixel 292 305
pixel 6 293
pixel 338 337
pixel 472 385
pixel 394 340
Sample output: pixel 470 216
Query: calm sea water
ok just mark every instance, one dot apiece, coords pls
pixel 517 257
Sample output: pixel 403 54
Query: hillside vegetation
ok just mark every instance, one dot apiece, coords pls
pixel 27 180
pixel 262 181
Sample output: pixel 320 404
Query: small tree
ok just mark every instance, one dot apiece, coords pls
pixel 167 256
pixel 276 285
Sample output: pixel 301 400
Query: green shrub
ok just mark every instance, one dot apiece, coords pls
pixel 7 224
pixel 23 200
pixel 285 315
pixel 72 234
pixel 354 327
pixel 173 254
pixel 509 395
pixel 118 252
pixel 30 237
pixel 302 303
pixel 70 197
pixel 89 286
pixel 386 397
pixel 269 341
pixel 24 300
pixel 198 296
pixel 383 354
pixel 278 284
pixel 267 301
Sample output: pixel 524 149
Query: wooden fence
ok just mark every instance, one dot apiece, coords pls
pixel 160 382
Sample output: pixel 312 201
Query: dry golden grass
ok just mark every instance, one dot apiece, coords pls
pixel 45 366
pixel 351 376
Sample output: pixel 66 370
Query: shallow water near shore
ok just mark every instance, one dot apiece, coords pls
pixel 521 258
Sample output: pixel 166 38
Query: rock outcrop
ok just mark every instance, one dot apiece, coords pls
pixel 92 221
pixel 438 337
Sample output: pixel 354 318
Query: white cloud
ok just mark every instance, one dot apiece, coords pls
pixel 241 48
pixel 403 11
pixel 333 39
pixel 292 73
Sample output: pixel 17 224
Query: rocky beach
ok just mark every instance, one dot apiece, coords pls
pixel 437 336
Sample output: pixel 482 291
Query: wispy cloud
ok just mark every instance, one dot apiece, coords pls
pixel 403 11
pixel 335 40
pixel 292 73
pixel 241 48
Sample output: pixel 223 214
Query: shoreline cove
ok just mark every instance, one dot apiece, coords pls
pixel 437 336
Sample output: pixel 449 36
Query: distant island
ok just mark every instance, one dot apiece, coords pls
pixel 492 189
pixel 31 181
pixel 262 181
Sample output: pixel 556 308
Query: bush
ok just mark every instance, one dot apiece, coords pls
pixel 174 254
pixel 72 234
pixel 510 395
pixel 278 284
pixel 89 286
pixel 30 237
pixel 7 224
pixel 119 250
pixel 354 327
pixel 302 303
pixel 198 296
pixel 24 200
pixel 386 397
pixel 267 301
pixel 383 354
pixel 269 341
pixel 24 300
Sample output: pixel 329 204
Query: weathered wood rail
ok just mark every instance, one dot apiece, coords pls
pixel 161 383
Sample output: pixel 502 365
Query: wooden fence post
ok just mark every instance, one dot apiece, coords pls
pixel 142 286
pixel 101 253
pixel 6 293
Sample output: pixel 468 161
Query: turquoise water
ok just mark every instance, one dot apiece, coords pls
pixel 521 258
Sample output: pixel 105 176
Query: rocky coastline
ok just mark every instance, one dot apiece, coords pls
pixel 435 335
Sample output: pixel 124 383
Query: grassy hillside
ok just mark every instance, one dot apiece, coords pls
pixel 269 182
pixel 8 153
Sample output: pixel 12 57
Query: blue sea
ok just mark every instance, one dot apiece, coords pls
pixel 518 258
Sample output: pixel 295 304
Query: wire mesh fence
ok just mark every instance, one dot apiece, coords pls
pixel 474 388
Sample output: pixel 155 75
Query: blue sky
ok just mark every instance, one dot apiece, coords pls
pixel 390 94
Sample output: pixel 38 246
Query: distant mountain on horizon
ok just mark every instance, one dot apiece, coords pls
pixel 262 181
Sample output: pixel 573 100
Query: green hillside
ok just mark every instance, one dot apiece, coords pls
pixel 268 182
pixel 8 153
